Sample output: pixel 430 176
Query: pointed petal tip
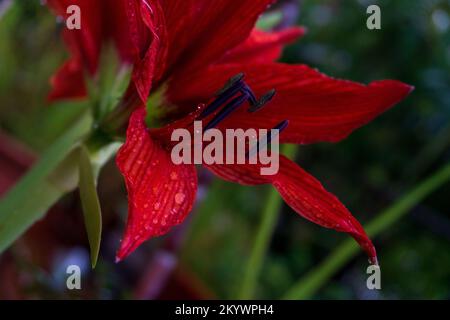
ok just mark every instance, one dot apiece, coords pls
pixel 406 87
pixel 122 254
pixel 126 248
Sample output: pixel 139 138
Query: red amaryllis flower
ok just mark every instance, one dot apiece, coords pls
pixel 129 24
pixel 187 50
pixel 204 44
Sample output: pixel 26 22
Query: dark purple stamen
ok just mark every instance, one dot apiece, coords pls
pixel 251 96
pixel 266 140
pixel 266 98
pixel 226 111
pixel 219 102
pixel 281 126
pixel 234 86
pixel 231 83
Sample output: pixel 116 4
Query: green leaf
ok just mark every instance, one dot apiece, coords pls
pixel 90 203
pixel 43 185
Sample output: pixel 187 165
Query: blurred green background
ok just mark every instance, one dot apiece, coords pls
pixel 207 257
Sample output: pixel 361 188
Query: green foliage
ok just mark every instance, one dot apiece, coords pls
pixel 89 200
pixel 42 186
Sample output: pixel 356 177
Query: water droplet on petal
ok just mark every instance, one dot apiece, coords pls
pixel 179 198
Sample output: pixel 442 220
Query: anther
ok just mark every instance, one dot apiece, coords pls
pixel 233 86
pixel 266 98
pixel 276 131
pixel 231 83
pixel 251 96
pixel 226 111
pixel 281 126
pixel 266 140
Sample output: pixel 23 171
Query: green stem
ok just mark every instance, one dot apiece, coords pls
pixel 263 236
pixel 315 279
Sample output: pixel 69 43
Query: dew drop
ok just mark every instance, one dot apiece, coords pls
pixel 174 175
pixel 179 198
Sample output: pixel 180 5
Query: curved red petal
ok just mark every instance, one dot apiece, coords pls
pixel 263 47
pixel 84 43
pixel 84 46
pixel 319 108
pixel 147 32
pixel 200 32
pixel 116 26
pixel 160 193
pixel 304 194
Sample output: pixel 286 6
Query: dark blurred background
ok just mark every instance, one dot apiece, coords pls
pixel 205 258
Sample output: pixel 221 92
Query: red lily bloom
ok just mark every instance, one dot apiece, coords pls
pixel 206 43
pixel 190 48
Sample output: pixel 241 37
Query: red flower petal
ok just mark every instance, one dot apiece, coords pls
pixel 319 108
pixel 147 32
pixel 116 26
pixel 85 43
pixel 160 193
pixel 68 82
pixel 84 47
pixel 262 47
pixel 304 194
pixel 201 31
